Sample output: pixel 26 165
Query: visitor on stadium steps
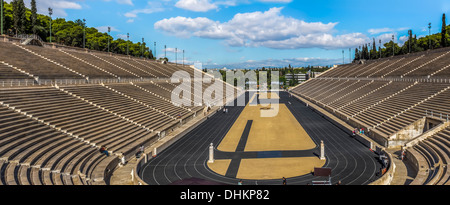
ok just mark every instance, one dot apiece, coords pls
pixel 403 154
pixel 140 151
pixel 179 115
pixel 122 159
pixel 104 151
pixel 240 182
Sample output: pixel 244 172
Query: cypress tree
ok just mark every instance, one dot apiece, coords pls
pixel 33 16
pixel 19 16
pixel 443 32
pixel 374 49
pixel 409 40
pixel 366 52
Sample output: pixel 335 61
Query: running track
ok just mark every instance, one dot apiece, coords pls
pixel 350 161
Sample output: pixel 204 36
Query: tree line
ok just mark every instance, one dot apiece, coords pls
pixel 18 19
pixel 412 45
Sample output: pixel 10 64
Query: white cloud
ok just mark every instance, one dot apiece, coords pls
pixel 402 40
pixel 59 7
pixel 295 62
pixel 267 29
pixel 185 27
pixel 173 50
pixel 387 37
pixel 134 13
pixel 323 40
pixel 128 2
pixel 196 5
pixel 207 5
pixel 379 30
pixel 122 36
pixel 104 29
pixel 385 30
pixel 276 1
pixel 152 7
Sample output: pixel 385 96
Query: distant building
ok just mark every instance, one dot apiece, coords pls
pixel 315 74
pixel 300 77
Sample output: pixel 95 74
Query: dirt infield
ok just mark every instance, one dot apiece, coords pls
pixel 282 132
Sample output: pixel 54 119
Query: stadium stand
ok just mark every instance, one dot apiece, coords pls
pixel 34 63
pixel 59 105
pixel 399 101
pixel 432 156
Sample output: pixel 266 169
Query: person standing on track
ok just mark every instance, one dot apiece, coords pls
pixel 284 181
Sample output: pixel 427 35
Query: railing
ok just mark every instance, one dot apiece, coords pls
pixel 27 36
pixel 76 81
pixel 17 82
pixel 418 79
pixel 97 81
pixel 440 115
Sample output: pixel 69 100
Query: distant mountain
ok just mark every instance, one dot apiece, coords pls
pixel 277 63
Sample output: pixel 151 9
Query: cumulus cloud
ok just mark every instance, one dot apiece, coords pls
pixel 402 40
pixel 277 63
pixel 196 5
pixel 173 50
pixel 276 1
pixel 385 30
pixel 104 29
pixel 59 6
pixel 207 5
pixel 127 2
pixel 152 7
pixel 267 29
pixel 134 13
pixel 185 27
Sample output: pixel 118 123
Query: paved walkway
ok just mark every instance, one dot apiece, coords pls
pixel 403 170
pixel 122 175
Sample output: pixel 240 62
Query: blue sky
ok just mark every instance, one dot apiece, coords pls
pixel 256 33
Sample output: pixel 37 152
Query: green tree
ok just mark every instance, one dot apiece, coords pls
pixel 387 50
pixel 443 32
pixel 356 54
pixel 373 53
pixel 20 20
pixel 33 16
pixel 19 16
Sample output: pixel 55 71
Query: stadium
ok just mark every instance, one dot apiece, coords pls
pixel 77 116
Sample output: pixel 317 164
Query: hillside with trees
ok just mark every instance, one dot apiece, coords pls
pixel 18 19
pixel 412 45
